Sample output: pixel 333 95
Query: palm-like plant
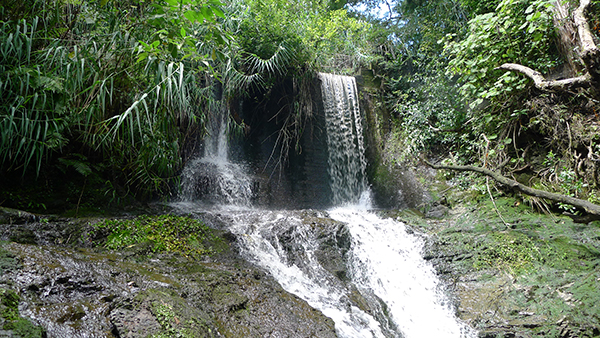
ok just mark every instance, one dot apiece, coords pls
pixel 87 83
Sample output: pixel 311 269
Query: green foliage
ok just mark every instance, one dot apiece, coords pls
pixel 181 235
pixel 9 303
pixel 429 109
pixel 319 38
pixel 167 319
pixel 31 107
pixel 185 29
pixel 517 32
pixel 127 83
pixel 125 79
pixel 23 328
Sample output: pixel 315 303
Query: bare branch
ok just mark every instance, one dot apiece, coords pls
pixel 586 39
pixel 589 207
pixel 588 52
pixel 543 84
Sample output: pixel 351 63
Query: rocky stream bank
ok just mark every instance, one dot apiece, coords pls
pixel 514 272
pixel 523 275
pixel 55 282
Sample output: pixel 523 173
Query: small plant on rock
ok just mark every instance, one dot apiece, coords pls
pixel 182 235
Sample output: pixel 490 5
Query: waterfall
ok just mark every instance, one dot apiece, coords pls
pixel 283 243
pixel 386 260
pixel 212 178
pixel 389 290
pixel 347 163
pixel 363 271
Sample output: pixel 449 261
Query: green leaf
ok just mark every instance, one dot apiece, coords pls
pixel 529 9
pixel 218 12
pixel 142 56
pixel 191 15
pixel 207 13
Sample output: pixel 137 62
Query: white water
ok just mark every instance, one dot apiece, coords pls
pixel 387 260
pixel 213 177
pixel 347 163
pixel 260 233
pixel 385 266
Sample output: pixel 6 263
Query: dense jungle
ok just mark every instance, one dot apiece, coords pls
pixel 481 132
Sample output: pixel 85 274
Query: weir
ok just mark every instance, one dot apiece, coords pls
pixel 363 271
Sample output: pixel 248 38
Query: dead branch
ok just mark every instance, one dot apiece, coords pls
pixel 589 207
pixel 588 52
pixel 540 81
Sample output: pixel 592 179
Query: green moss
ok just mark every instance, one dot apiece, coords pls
pixel 12 321
pixel 549 266
pixel 25 329
pixel 166 233
pixel 9 302
pixel 511 251
pixel 175 316
pixel 8 262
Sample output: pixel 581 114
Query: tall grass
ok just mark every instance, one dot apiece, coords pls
pixel 71 75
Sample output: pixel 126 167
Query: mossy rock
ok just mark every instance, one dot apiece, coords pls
pixel 523 274
pixel 14 216
pixel 163 313
pixel 10 320
pixel 8 261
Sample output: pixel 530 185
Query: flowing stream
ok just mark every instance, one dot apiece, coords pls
pixel 363 271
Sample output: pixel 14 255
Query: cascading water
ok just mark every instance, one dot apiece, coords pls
pixel 363 271
pixel 347 163
pixel 386 260
pixel 212 177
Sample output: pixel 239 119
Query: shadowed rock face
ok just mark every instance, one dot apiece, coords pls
pixel 78 291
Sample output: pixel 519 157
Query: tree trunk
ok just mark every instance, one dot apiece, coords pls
pixel 566 38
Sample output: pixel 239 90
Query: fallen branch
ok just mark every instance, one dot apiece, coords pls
pixel 588 52
pixel 589 207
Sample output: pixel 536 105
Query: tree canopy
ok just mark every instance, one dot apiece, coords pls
pixel 126 86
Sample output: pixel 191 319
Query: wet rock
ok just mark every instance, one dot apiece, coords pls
pixel 155 311
pixel 332 243
pixel 23 236
pixel 14 216
pixel 136 323
pixel 437 210
pixel 8 262
pixel 11 323
pixel 74 291
pixel 535 278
